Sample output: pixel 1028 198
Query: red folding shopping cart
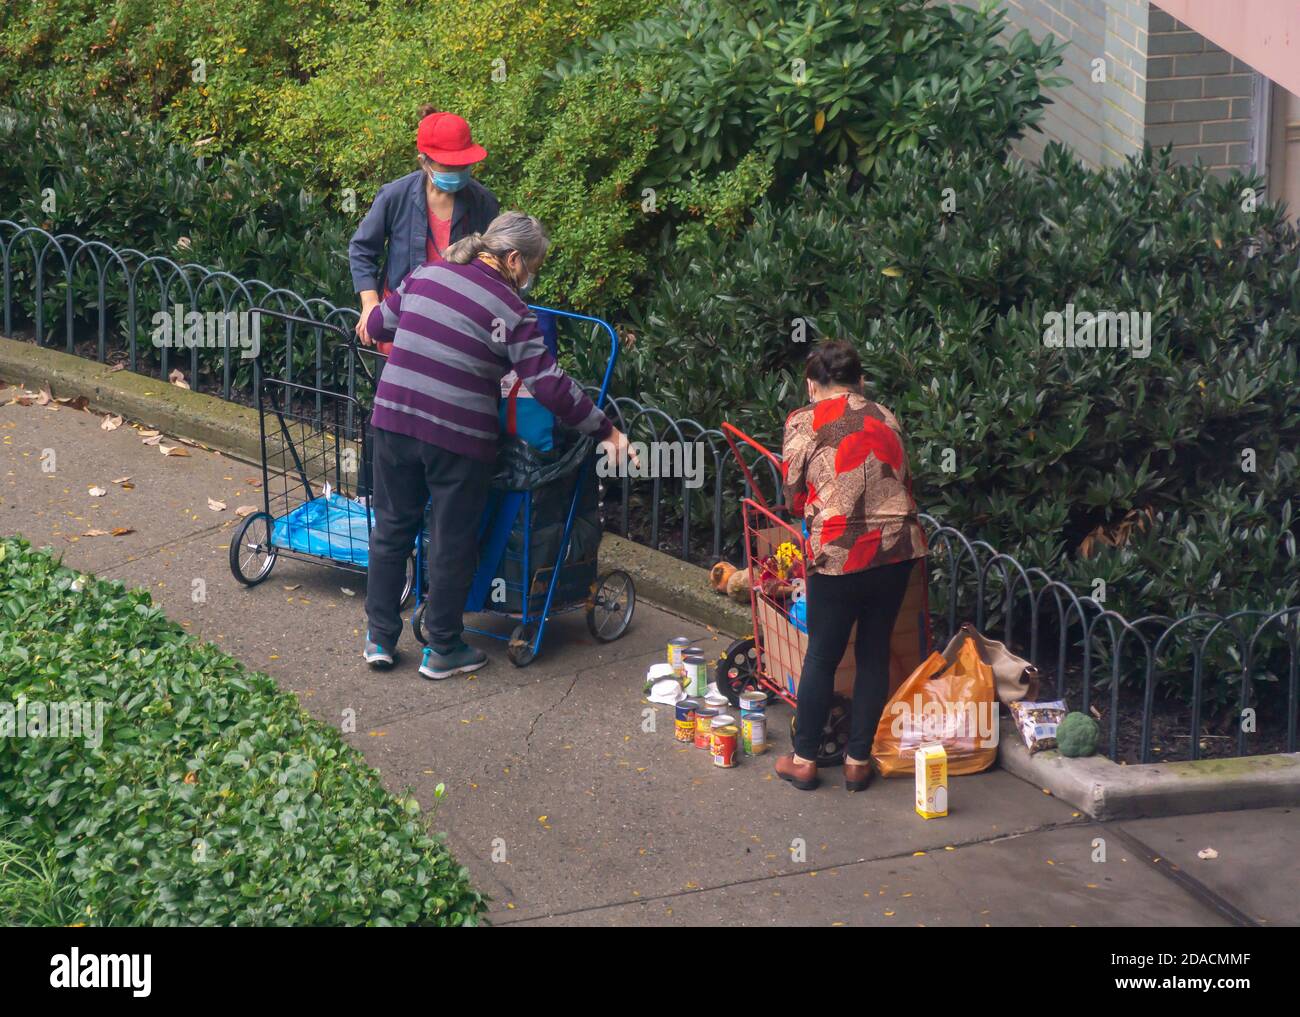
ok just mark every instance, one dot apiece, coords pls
pixel 772 658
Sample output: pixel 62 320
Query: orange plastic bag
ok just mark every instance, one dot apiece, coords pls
pixel 955 704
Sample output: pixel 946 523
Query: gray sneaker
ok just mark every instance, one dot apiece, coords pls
pixel 460 659
pixel 376 656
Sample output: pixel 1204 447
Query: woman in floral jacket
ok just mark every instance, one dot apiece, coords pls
pixel 846 473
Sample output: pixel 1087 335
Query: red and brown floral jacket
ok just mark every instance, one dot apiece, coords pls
pixel 845 471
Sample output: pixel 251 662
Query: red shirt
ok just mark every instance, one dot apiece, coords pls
pixel 437 241
pixel 439 237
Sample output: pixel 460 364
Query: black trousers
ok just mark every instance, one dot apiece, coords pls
pixel 408 475
pixel 872 599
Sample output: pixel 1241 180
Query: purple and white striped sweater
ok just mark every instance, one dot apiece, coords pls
pixel 456 330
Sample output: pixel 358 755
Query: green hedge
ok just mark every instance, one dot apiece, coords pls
pixel 213 798
pixel 947 306
pixel 583 105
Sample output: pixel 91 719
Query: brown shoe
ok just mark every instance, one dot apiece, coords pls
pixel 801 775
pixel 856 776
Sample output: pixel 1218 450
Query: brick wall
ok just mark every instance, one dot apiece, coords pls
pixel 1102 122
pixel 1198 97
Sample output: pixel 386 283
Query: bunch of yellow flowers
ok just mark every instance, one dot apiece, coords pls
pixel 786 555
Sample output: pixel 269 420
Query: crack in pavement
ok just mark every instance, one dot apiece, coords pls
pixel 753 880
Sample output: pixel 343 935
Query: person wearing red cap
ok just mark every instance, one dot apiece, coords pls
pixel 416 217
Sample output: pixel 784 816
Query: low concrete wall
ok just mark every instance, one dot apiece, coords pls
pixel 1107 790
pixel 206 419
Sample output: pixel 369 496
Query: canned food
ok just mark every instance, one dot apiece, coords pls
pixel 697 674
pixel 753 702
pixel 723 719
pixel 703 724
pixel 684 724
pixel 753 727
pixel 675 648
pixel 722 742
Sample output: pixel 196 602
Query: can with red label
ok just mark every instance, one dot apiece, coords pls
pixel 703 722
pixel 723 740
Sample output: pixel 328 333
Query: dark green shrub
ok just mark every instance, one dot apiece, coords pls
pixel 947 308
pixel 212 798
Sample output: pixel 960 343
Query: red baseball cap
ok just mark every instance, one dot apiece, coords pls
pixel 445 138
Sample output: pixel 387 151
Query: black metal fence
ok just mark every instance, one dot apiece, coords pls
pixel 89 298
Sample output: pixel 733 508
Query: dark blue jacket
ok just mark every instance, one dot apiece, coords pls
pixel 391 238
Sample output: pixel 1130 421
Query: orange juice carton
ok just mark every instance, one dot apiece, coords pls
pixel 931 781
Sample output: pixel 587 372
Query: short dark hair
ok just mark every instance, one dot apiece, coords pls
pixel 834 362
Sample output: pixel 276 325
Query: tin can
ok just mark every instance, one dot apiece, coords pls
pixel 697 674
pixel 675 648
pixel 684 724
pixel 722 741
pixel 703 724
pixel 753 702
pixel 753 727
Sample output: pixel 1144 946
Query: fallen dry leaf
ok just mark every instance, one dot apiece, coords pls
pixel 245 510
pixel 43 397
pixel 95 533
pixel 148 432
pixel 154 440
pixel 347 592
pixel 97 492
pixel 1207 853
pixel 177 378
pixel 111 422
pixel 122 531
pixel 216 506
pixel 117 367
pixel 295 586
pixel 173 450
pixel 121 480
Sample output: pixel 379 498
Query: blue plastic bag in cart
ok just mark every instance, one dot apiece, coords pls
pixel 331 527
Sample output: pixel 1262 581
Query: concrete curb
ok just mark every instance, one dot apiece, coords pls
pixel 1107 790
pixel 211 421
pixel 674 585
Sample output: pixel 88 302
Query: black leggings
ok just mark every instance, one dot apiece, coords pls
pixel 872 599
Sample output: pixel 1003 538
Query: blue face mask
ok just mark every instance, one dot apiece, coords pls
pixel 450 182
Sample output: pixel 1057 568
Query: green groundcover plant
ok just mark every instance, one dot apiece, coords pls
pixel 208 797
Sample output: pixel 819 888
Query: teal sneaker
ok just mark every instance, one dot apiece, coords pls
pixel 460 659
pixel 376 656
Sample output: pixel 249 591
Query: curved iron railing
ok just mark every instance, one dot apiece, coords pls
pixel 1097 655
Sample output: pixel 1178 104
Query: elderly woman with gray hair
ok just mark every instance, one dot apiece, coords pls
pixel 457 326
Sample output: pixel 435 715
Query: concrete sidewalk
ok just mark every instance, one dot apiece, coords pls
pixel 565 809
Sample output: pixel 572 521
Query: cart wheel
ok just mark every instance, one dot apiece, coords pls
pixel 736 671
pixel 251 555
pixel 520 647
pixel 610 607
pixel 410 582
pixel 417 622
pixel 835 735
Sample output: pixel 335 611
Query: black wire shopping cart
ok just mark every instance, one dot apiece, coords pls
pixel 316 473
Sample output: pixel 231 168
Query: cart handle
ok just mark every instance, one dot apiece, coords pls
pixel 609 330
pixel 734 434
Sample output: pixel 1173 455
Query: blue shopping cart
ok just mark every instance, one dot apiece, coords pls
pixel 540 534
